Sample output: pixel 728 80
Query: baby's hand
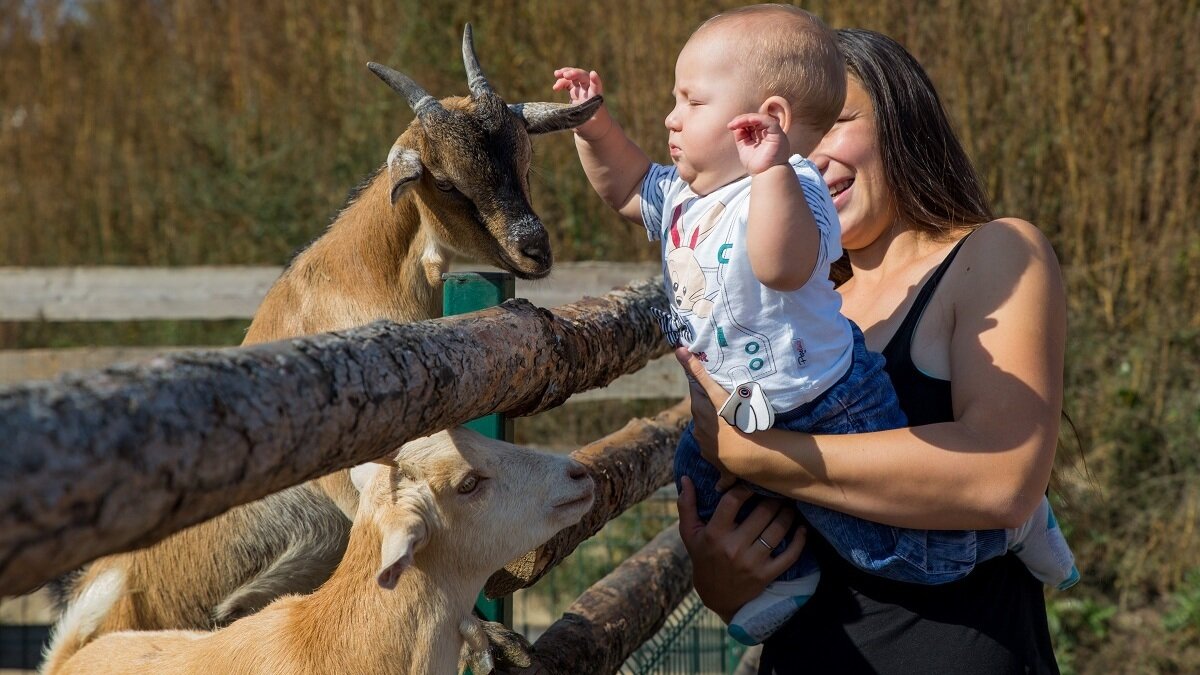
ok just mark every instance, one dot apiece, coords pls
pixel 761 143
pixel 726 481
pixel 580 84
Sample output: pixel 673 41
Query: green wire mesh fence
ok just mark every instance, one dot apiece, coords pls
pixel 693 639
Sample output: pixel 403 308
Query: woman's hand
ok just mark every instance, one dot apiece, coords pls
pixel 717 440
pixel 704 392
pixel 730 566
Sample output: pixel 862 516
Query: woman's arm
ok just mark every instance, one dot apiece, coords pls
pixel 986 469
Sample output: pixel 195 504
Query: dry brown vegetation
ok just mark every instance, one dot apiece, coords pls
pixel 149 132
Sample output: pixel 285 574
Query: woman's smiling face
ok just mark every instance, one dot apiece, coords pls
pixel 849 159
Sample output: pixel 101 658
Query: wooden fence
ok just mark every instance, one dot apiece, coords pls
pixel 105 461
pixel 215 293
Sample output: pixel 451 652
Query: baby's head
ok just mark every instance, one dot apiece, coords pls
pixel 784 51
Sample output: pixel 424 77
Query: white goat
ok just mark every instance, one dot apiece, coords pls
pixel 456 181
pixel 431 527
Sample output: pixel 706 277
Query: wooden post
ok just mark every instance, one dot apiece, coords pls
pixel 464 292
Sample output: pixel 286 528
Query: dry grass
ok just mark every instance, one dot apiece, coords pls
pixel 149 133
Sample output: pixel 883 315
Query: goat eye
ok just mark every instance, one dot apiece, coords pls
pixel 469 485
pixel 443 185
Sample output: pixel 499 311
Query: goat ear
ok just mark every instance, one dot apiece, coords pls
pixel 362 474
pixel 404 169
pixel 397 550
pixel 543 118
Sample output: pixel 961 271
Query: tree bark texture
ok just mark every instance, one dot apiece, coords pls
pixel 627 466
pixel 605 625
pixel 103 462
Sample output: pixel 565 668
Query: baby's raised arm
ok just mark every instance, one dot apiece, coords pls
pixel 580 86
pixel 614 164
pixel 782 238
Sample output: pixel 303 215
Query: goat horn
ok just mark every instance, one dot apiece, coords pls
pixel 476 81
pixel 418 99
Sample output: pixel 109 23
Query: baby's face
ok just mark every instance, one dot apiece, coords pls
pixel 711 88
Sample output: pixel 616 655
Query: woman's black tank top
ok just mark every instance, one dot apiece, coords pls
pixel 993 621
pixel 923 399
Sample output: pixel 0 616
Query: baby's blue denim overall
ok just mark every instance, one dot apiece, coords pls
pixel 862 400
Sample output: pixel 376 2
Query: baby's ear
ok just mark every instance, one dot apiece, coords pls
pixel 779 108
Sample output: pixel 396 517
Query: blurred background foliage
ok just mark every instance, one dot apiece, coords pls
pixel 172 132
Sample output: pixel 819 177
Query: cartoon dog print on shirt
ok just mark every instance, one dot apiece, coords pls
pixel 686 281
pixel 697 294
pixel 687 287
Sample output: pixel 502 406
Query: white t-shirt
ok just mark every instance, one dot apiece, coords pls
pixel 794 344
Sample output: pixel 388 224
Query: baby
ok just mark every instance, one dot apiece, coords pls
pixel 748 232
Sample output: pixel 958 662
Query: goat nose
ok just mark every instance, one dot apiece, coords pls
pixel 536 251
pixel 537 247
pixel 577 471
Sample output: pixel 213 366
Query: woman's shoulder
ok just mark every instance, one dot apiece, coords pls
pixel 1005 233
pixel 1008 244
pixel 1006 261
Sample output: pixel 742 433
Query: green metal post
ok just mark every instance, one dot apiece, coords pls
pixel 465 292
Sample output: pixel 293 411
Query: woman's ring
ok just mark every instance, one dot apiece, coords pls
pixel 764 543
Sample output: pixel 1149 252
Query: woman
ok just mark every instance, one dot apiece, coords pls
pixel 951 296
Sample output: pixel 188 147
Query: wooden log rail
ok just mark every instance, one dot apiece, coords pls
pixel 618 614
pixel 661 378
pixel 628 466
pixel 103 462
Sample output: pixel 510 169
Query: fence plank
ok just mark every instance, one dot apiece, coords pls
pixel 20 365
pixel 130 293
pixel 210 293
pixel 109 461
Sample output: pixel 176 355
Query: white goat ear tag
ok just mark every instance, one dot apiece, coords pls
pixel 747 408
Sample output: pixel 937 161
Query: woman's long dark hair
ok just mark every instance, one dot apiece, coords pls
pixel 935 185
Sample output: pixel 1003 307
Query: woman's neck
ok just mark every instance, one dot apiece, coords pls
pixel 887 274
pixel 890 253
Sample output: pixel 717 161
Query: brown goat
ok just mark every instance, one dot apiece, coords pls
pixel 431 528
pixel 455 182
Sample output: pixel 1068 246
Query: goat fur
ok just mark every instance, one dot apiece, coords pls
pixel 455 183
pixel 421 549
